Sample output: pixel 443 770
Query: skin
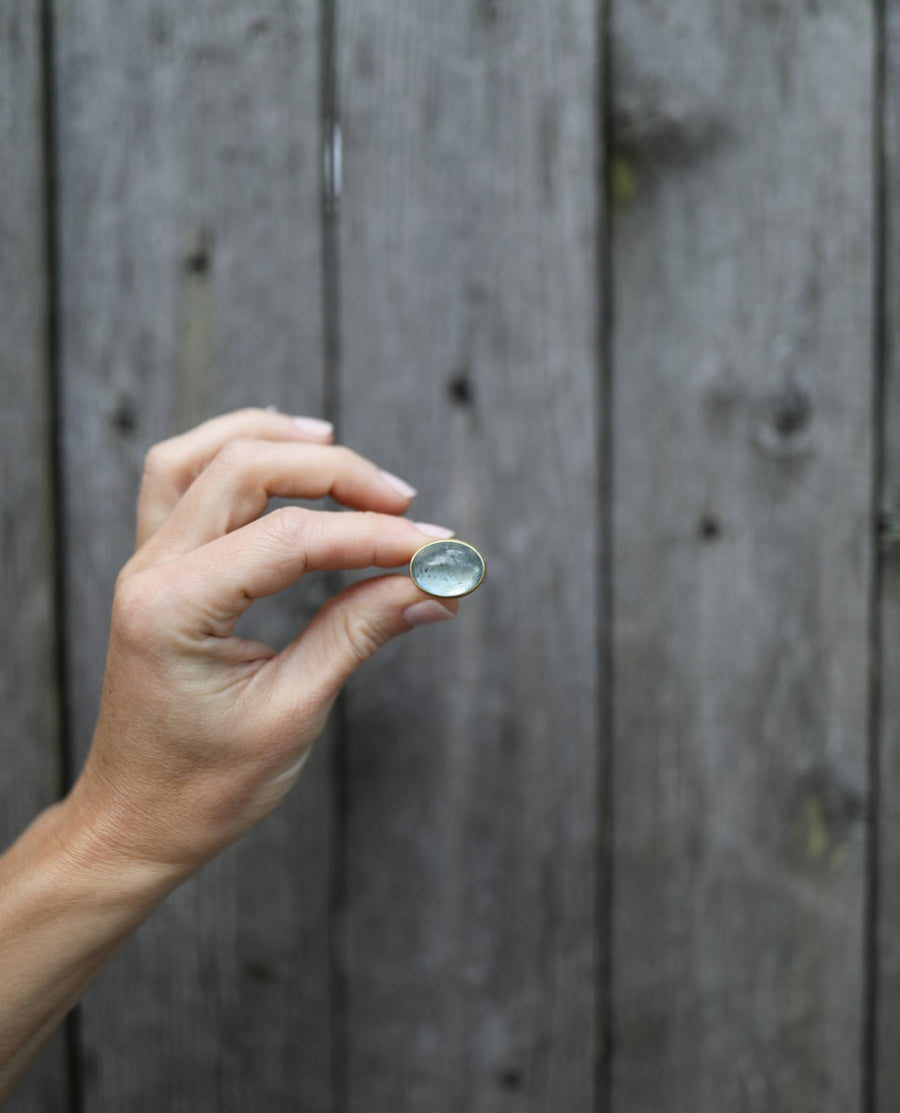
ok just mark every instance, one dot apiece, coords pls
pixel 201 733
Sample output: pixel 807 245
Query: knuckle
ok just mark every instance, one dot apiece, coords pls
pixel 361 635
pixel 158 461
pixel 346 457
pixel 236 454
pixel 138 602
pixel 288 526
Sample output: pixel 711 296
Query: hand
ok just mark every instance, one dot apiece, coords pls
pixel 202 733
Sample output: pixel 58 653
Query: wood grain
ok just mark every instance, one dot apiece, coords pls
pixel 30 773
pixel 469 241
pixel 743 308
pixel 190 235
pixel 886 981
pixel 425 924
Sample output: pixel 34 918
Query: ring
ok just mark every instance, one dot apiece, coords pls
pixel 447 569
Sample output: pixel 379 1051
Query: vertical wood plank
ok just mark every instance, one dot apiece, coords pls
pixel 190 232
pixel 743 263
pixel 30 765
pixel 886 982
pixel 470 336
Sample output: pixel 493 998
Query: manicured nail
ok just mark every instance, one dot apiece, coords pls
pixel 421 614
pixel 440 532
pixel 399 485
pixel 314 426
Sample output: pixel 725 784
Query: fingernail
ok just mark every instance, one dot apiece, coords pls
pixel 422 614
pixel 314 426
pixel 271 409
pixel 399 485
pixel 441 532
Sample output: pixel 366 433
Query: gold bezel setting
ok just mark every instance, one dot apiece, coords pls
pixel 449 543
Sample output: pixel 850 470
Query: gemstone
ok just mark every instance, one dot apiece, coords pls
pixel 447 569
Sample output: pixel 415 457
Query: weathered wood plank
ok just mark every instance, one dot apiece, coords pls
pixel 470 336
pixel 191 285
pixel 886 983
pixel 30 772
pixel 742 256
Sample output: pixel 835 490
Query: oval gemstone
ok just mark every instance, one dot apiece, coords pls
pixel 447 569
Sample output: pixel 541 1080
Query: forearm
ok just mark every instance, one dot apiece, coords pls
pixel 65 908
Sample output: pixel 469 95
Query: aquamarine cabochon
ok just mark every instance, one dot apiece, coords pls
pixel 447 569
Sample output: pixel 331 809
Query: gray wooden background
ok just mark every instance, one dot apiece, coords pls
pixel 615 285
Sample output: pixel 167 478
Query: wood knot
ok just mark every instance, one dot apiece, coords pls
pixel 198 259
pixel 459 389
pixel 124 418
pixel 784 423
pixel 197 262
pixel 257 28
pixel 710 528
pixel 824 818
pixel 260 971
pixel 510 1079
pixel 489 12
pixel 888 528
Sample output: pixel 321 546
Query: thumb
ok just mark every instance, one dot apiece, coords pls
pixel 353 626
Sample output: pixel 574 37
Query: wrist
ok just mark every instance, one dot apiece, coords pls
pixel 67 906
pixel 82 848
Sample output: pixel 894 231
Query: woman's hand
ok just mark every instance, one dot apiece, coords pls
pixel 201 733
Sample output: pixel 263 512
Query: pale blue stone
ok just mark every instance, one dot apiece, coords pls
pixel 447 569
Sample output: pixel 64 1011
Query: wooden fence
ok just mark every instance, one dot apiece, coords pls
pixel 615 287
